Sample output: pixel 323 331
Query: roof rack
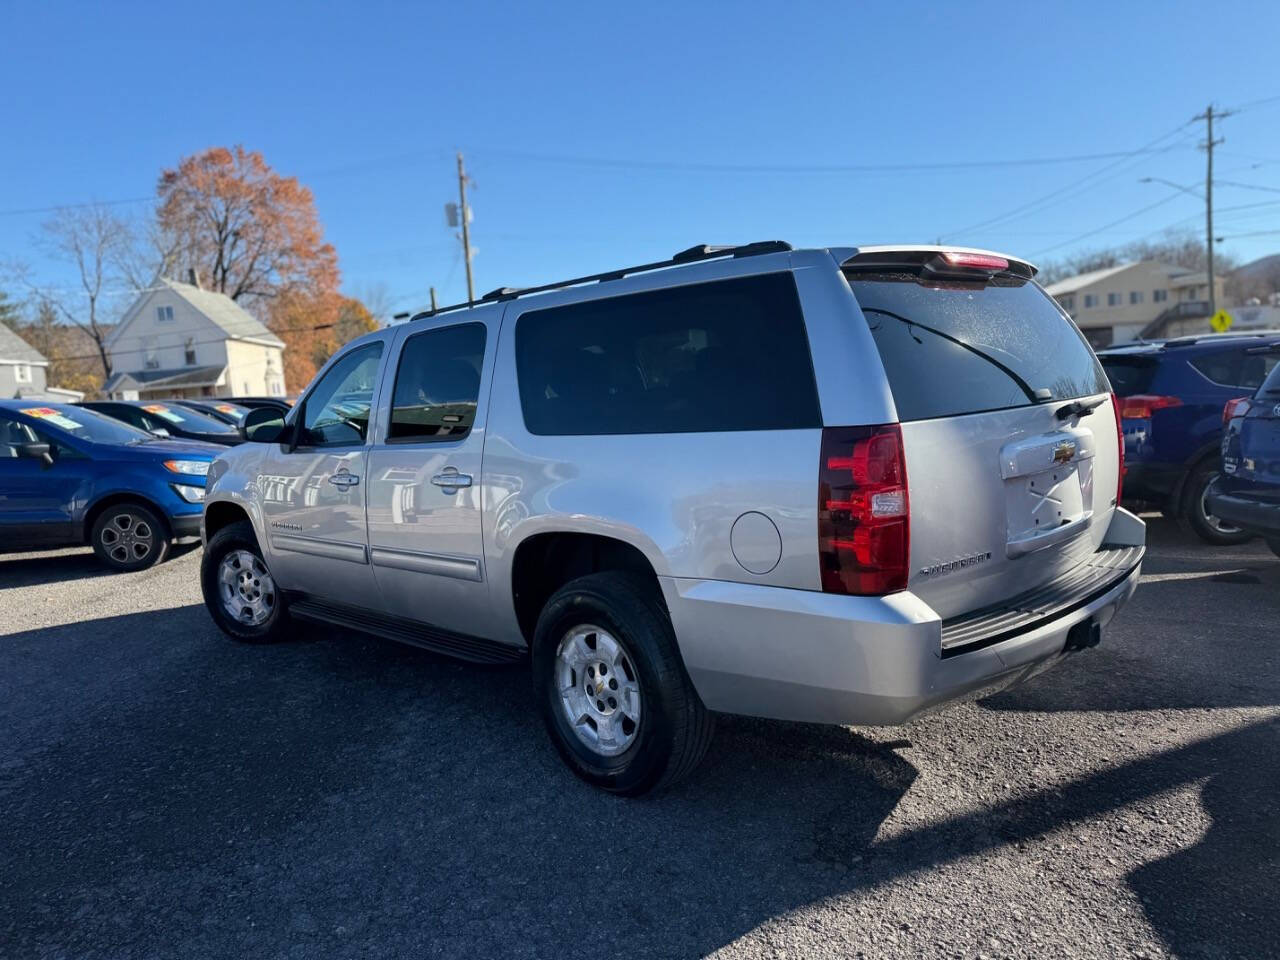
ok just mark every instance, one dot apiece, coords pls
pixel 691 255
pixel 1192 339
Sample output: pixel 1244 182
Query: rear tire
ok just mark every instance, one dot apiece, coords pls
pixel 239 592
pixel 129 537
pixel 1195 510
pixel 640 724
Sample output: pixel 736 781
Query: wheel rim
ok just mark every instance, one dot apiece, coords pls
pixel 128 538
pixel 1218 526
pixel 245 587
pixel 598 689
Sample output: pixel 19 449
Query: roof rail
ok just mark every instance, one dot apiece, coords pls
pixel 691 255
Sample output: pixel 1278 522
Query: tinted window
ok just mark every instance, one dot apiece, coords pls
pixel 1256 368
pixel 1271 386
pixel 1129 376
pixel 1222 367
pixel 337 412
pixel 438 384
pixel 85 424
pixel 728 355
pixel 956 348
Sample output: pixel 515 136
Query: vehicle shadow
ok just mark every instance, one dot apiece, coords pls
pixel 33 569
pixel 349 795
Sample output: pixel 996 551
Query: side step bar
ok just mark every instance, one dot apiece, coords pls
pixel 1074 589
pixel 460 646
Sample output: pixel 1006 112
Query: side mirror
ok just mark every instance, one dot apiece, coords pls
pixel 263 425
pixel 37 451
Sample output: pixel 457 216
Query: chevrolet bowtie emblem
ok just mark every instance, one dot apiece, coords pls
pixel 1064 451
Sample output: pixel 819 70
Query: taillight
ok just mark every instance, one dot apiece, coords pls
pixel 1120 467
pixel 863 514
pixel 975 261
pixel 1141 405
pixel 1235 408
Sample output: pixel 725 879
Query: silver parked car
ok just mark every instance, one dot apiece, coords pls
pixel 838 485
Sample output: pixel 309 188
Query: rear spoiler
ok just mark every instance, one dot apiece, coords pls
pixel 947 261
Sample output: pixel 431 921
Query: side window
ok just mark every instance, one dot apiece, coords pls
pixel 12 436
pixel 337 412
pixel 727 355
pixel 1222 367
pixel 1256 368
pixel 438 384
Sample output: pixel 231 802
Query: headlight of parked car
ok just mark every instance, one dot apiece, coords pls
pixel 189 494
pixel 196 468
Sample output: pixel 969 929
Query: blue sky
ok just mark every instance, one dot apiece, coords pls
pixel 598 137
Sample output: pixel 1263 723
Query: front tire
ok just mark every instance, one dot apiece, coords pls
pixel 1195 510
pixel 239 592
pixel 129 537
pixel 612 689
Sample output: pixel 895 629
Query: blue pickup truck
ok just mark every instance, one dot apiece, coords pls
pixel 70 476
pixel 1172 394
pixel 1248 492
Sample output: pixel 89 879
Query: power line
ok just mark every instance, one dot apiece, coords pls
pixel 184 343
pixel 1247 186
pixel 73 206
pixel 1108 226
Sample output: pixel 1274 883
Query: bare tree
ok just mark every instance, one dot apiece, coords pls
pixel 94 241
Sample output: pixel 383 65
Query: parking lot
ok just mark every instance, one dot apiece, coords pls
pixel 166 792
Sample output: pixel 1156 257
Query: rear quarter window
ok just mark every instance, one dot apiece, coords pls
pixel 1129 376
pixel 729 355
pixel 953 348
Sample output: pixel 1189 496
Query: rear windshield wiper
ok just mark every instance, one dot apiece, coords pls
pixel 1035 396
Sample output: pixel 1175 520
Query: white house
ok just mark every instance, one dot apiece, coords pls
pixel 24 371
pixel 179 340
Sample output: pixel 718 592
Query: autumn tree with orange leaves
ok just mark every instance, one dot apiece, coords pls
pixel 253 234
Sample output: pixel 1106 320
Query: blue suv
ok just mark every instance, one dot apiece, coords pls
pixel 1172 394
pixel 1248 492
pixel 69 476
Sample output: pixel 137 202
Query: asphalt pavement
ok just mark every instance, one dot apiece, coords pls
pixel 167 793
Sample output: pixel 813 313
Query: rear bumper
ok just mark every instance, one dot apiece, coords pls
pixel 803 655
pixel 1252 513
pixel 1152 482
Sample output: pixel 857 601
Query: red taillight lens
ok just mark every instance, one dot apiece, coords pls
pixel 864 533
pixel 1235 408
pixel 975 261
pixel 1140 406
pixel 1120 468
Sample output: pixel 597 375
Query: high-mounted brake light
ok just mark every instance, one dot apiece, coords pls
pixel 1120 467
pixel 1235 408
pixel 1141 405
pixel 975 261
pixel 863 510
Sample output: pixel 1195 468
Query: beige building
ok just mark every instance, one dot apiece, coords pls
pixel 1143 299
pixel 179 340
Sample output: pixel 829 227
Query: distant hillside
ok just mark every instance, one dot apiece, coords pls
pixel 1259 278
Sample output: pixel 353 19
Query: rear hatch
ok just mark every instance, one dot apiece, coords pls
pixel 1251 449
pixel 1008 429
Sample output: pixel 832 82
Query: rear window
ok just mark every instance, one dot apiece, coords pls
pixel 951 348
pixel 1129 376
pixel 720 356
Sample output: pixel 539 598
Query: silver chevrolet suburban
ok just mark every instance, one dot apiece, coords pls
pixel 838 485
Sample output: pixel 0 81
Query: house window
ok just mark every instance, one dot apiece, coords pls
pixel 22 373
pixel 1068 303
pixel 190 351
pixel 152 361
pixel 164 314
pixel 1113 299
pixel 1090 300
pixel 1159 296
pixel 1135 296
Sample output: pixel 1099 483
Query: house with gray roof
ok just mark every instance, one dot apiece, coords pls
pixel 180 340
pixel 24 371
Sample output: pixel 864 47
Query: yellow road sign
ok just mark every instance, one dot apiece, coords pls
pixel 1221 321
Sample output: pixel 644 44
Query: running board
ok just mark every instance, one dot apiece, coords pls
pixel 460 646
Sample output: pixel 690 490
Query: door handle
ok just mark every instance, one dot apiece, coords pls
pixel 451 479
pixel 344 479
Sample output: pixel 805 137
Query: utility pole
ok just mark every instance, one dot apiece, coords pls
pixel 1209 143
pixel 464 214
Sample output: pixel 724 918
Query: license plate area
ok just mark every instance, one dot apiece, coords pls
pixel 1048 484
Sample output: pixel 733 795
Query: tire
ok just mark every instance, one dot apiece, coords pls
pixel 660 729
pixel 1195 514
pixel 129 537
pixel 1274 544
pixel 234 576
